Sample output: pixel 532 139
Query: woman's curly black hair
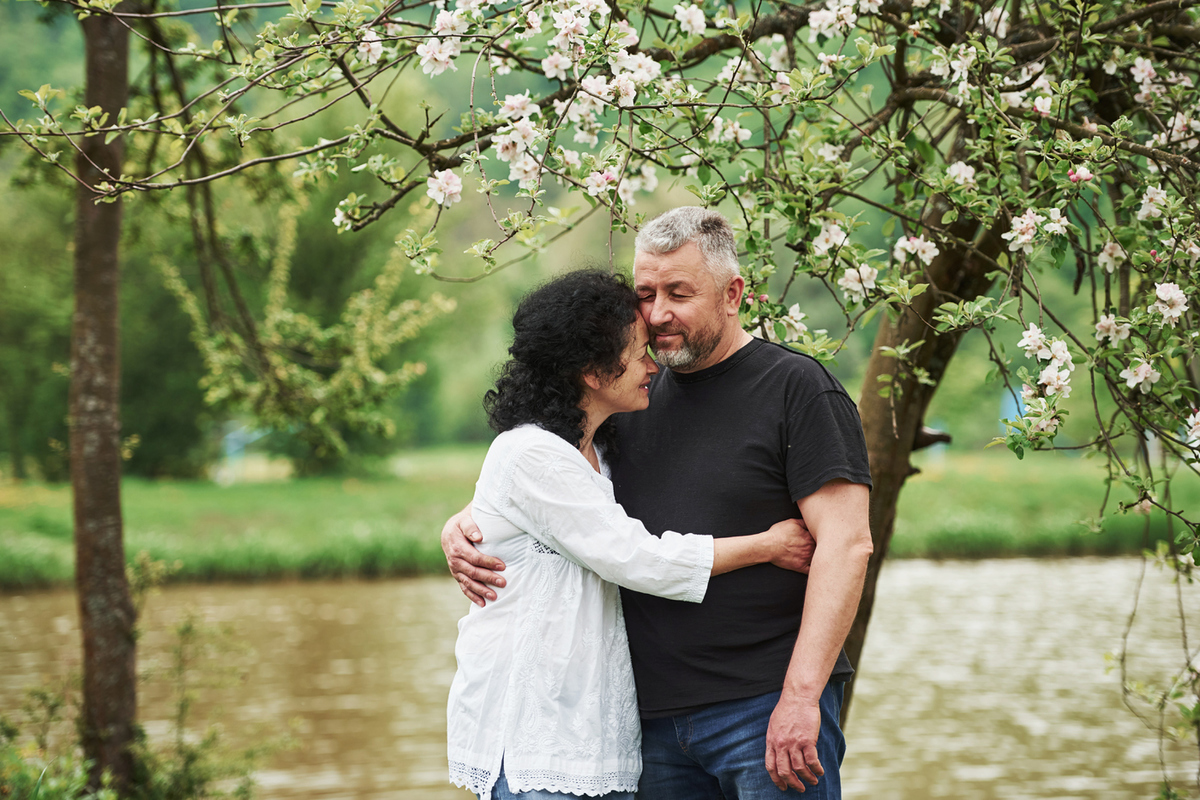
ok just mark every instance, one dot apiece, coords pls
pixel 579 322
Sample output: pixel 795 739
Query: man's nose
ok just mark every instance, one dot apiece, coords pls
pixel 657 313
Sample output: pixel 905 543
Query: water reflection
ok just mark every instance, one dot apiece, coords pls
pixel 980 679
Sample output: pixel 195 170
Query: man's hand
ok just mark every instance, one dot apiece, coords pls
pixel 792 743
pixel 472 569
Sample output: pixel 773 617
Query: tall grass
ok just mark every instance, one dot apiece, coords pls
pixel 959 506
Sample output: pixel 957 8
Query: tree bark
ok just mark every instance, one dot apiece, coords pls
pixel 891 424
pixel 106 612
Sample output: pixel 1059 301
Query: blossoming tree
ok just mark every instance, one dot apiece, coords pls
pixel 997 141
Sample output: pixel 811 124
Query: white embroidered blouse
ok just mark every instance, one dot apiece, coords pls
pixel 544 679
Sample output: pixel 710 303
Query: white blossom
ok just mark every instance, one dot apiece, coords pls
pixel 691 19
pixel 437 55
pixel 1056 223
pixel 915 245
pixel 1171 302
pixel 1043 105
pixel 961 173
pixel 1141 374
pixel 831 237
pixel 1152 202
pixel 830 152
pixel 1055 381
pixel 1033 340
pixel 370 48
pixel 451 23
pixel 1110 256
pixel 444 188
pixel 1193 429
pixel 995 21
pixel 518 106
pixel 828 62
pixel 857 281
pixel 1024 228
pixel 793 324
pixel 556 65
pixel 1109 328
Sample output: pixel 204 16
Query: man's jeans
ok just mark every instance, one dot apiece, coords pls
pixel 719 753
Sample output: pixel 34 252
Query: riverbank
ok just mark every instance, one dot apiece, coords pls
pixel 985 505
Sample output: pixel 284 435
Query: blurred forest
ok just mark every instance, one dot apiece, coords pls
pixel 169 430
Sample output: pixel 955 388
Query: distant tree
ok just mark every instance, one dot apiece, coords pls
pixel 1000 141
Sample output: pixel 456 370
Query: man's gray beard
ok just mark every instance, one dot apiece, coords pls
pixel 688 354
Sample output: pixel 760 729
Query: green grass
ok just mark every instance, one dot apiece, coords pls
pixel 959 506
pixel 316 528
pixel 990 505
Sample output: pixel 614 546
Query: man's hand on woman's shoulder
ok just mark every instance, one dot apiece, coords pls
pixel 474 571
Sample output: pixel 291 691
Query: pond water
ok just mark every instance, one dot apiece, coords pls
pixel 979 679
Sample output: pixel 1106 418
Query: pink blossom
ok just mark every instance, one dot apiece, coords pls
pixel 1082 174
pixel 599 182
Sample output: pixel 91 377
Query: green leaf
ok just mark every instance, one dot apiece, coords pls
pixel 889 226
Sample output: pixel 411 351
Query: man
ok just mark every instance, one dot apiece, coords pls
pixel 739 433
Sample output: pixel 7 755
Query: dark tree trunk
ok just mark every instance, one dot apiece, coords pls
pixel 891 424
pixel 106 613
pixel 16 447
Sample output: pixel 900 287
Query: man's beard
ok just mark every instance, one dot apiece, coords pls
pixel 693 348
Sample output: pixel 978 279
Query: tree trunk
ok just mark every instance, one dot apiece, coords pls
pixel 106 613
pixel 891 423
pixel 16 447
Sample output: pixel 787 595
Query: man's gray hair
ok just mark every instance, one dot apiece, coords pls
pixel 709 230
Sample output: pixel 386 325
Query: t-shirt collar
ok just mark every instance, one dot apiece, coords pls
pixel 720 368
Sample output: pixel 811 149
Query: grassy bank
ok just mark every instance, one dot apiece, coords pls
pixel 972 506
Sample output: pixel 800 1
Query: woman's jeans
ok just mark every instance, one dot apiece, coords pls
pixel 719 753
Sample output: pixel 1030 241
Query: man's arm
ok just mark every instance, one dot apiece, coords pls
pixel 472 569
pixel 837 516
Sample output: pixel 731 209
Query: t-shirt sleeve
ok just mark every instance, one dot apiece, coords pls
pixel 555 500
pixel 825 442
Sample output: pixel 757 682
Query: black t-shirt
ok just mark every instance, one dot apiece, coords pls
pixel 728 451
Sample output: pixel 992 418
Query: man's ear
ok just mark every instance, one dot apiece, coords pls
pixel 733 294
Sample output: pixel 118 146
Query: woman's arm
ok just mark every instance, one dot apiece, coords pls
pixel 786 544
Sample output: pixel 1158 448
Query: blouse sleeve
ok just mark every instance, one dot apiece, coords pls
pixel 555 500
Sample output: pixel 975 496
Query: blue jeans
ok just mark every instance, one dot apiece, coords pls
pixel 719 753
pixel 500 792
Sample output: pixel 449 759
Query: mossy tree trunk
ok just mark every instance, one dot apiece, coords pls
pixel 106 612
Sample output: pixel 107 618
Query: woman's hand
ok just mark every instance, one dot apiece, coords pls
pixel 792 545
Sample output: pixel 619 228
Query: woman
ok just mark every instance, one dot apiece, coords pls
pixel 543 704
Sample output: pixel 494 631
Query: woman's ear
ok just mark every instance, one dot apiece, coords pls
pixel 592 381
